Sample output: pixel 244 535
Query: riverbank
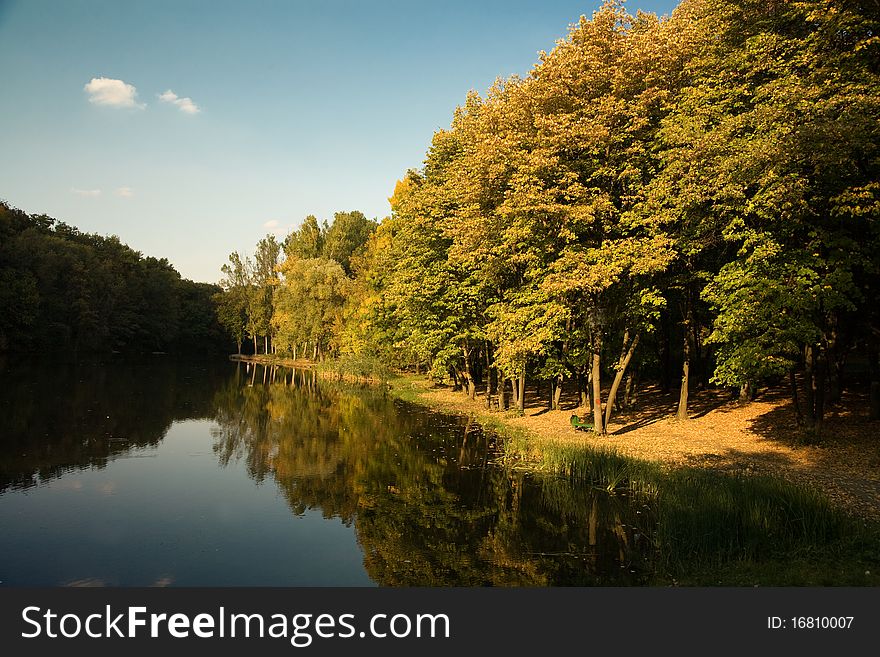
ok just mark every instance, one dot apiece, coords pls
pixel 728 498
pixel 760 438
pixel 755 439
pixel 738 501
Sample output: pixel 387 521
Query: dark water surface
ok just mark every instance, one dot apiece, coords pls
pixel 156 473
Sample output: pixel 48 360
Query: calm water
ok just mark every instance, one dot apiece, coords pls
pixel 155 473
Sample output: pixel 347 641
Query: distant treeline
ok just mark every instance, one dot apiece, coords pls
pixel 63 290
pixel 695 199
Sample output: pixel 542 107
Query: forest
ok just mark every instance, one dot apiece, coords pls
pixel 64 291
pixel 693 199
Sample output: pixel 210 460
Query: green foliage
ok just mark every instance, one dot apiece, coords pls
pixel 261 290
pixel 768 185
pixel 309 303
pixel 307 241
pixel 712 174
pixel 62 290
pixel 346 237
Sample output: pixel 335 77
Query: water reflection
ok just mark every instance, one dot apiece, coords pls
pixel 429 505
pixel 420 492
pixel 74 415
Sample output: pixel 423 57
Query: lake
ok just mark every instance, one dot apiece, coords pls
pixel 152 472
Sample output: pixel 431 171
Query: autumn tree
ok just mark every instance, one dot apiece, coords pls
pixel 346 237
pixel 780 168
pixel 309 303
pixel 307 241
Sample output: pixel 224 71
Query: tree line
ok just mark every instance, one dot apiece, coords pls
pixel 292 294
pixel 62 290
pixel 694 198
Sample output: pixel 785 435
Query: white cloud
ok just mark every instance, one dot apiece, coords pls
pixel 86 193
pixel 113 93
pixel 276 227
pixel 124 192
pixel 185 105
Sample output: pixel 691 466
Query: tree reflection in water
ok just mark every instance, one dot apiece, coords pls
pixel 428 502
pixel 64 416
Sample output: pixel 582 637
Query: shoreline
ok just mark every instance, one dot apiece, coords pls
pixel 729 439
pixel 264 359
pixel 758 439
pixel 325 369
pixel 773 521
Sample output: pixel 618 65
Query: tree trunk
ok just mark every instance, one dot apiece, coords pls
pixel 835 385
pixel 819 389
pixel 521 396
pixel 598 426
pixel 478 369
pixel 239 347
pixel 631 391
pixel 255 345
pixel 557 394
pixel 686 364
pixel 266 344
pixel 809 388
pixel 626 355
pixel 794 397
pixel 468 375
pixel 589 388
pixel 502 392
pixel 637 380
pixel 488 378
pixel 834 360
pixel 456 385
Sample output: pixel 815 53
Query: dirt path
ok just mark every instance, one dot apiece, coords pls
pixel 759 438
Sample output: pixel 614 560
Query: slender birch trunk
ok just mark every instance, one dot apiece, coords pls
pixel 598 426
pixel 625 357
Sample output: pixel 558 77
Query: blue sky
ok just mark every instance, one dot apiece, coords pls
pixel 276 110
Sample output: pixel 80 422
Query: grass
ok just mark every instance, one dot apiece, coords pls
pixel 710 527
